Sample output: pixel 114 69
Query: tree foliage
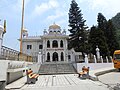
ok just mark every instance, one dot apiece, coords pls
pixel 104 36
pixel 111 37
pixel 97 38
pixel 77 28
pixel 116 23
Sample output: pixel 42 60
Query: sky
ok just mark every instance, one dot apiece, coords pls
pixel 40 14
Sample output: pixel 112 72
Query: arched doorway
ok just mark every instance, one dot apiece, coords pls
pixel 55 56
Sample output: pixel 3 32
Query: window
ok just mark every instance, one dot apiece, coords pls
pixel 29 46
pixel 55 44
pixel 61 43
pixel 40 46
pixel 48 44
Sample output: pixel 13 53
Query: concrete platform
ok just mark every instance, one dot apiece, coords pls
pixel 61 82
pixel 17 84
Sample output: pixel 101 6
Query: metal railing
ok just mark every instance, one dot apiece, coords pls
pixel 11 54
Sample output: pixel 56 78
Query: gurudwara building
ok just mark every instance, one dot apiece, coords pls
pixel 53 45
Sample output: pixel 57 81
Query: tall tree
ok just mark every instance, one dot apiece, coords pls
pixel 102 23
pixel 111 37
pixel 116 23
pixel 77 28
pixel 97 38
pixel 109 32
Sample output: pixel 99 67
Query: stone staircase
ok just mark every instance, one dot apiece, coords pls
pixel 57 68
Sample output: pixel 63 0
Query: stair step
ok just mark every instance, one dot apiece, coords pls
pixel 57 68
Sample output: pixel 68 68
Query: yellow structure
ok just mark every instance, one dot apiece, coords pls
pixel 116 59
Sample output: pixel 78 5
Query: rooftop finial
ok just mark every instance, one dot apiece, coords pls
pixel 54 23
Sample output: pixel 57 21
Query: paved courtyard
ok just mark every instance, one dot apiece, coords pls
pixel 64 82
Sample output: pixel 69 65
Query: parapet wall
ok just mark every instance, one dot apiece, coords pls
pixel 93 66
pixel 12 70
pixel 3 69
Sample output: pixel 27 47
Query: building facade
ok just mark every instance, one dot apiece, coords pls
pixel 53 45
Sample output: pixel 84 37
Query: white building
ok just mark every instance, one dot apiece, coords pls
pixel 53 45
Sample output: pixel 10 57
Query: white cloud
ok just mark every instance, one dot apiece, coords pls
pixel 17 6
pixel 61 22
pixel 58 14
pixel 109 7
pixel 40 9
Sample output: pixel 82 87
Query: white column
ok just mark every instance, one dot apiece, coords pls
pixel 40 58
pixel 98 53
pixel 51 57
pixel 58 43
pixel 50 43
pixel 101 59
pixel 1 37
pixel 86 59
pixel 107 59
pixel 111 59
pixel 59 56
pixel 95 59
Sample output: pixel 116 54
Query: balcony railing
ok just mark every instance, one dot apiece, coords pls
pixel 11 54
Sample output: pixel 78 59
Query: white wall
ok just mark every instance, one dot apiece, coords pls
pixel 93 66
pixel 12 76
pixel 3 69
pixel 35 67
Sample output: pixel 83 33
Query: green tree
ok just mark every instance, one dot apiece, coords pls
pixel 116 23
pixel 102 25
pixel 111 37
pixel 97 38
pixel 102 22
pixel 77 28
pixel 109 32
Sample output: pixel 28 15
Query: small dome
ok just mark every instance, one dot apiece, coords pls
pixel 54 26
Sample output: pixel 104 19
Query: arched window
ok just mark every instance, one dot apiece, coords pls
pixel 62 56
pixel 48 57
pixel 61 43
pixel 55 44
pixel 48 44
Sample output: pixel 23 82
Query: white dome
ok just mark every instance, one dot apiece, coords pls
pixel 54 28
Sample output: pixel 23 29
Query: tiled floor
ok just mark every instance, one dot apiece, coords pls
pixel 63 82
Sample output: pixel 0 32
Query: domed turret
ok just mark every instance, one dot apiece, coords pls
pixel 54 28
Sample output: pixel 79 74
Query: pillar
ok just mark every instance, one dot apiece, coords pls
pixel 111 58
pixel 50 43
pixel 95 59
pixel 58 43
pixel 1 37
pixel 101 59
pixel 98 53
pixel 40 58
pixel 51 57
pixel 107 59
pixel 86 58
